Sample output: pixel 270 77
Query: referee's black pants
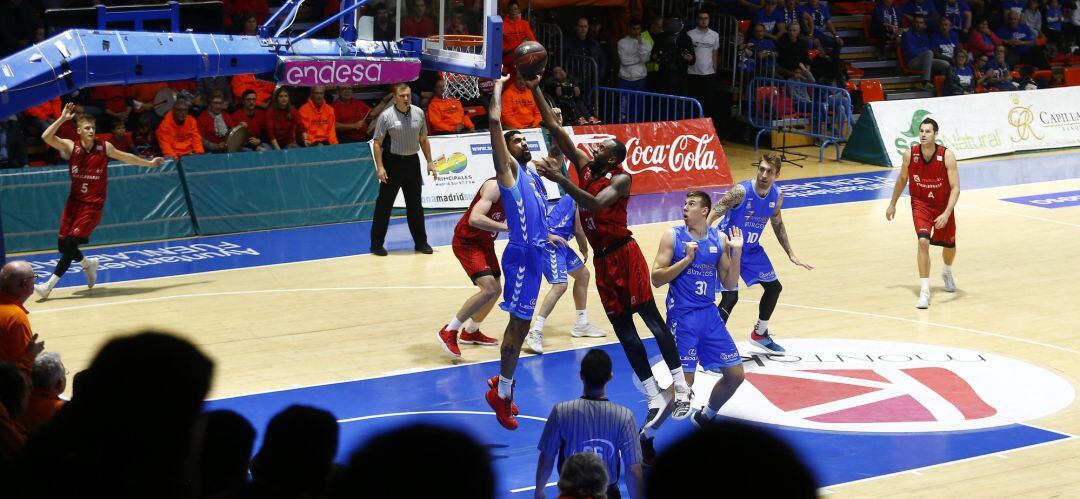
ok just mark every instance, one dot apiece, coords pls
pixel 402 173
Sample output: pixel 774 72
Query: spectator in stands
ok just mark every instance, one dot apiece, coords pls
pixel 567 94
pixel 1021 42
pixel 696 455
pixel 144 97
pixel 1054 17
pixel 13 400
pixel 18 344
pixel 519 110
pixel 178 134
pixel 1031 16
pixel 283 124
pixel 885 24
pixel 243 82
pixel 384 30
pixel 916 45
pixel 792 13
pixel 818 22
pixel 581 44
pixel 48 381
pixel 982 41
pixel 1008 6
pixel 456 24
pixel 515 31
pixel 250 26
pixel 296 456
pixel 254 119
pixel 959 13
pixel 1071 28
pixel 595 32
pixel 240 12
pixel 419 23
pixel 215 125
pixel 675 52
pixel 42 115
pixel 353 116
pixel 981 72
pixel 634 53
pixel 652 68
pixel 924 8
pixel 17 25
pixel 227 441
pixel 701 74
pixel 144 138
pixel 945 42
pixel 961 77
pixel 792 53
pixel 205 87
pixel 120 139
pixel 113 99
pixel 574 426
pixel 999 71
pixel 318 119
pixel 12 144
pixel 772 19
pixel 446 114
pixel 583 477
pixel 761 47
pixel 387 462
pixel 1026 81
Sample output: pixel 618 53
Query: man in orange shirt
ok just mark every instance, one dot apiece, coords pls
pixel 214 124
pixel 45 113
pixel 18 344
pixel 263 89
pixel 318 118
pixel 446 114
pixel 178 134
pixel 519 108
pixel 143 95
pixel 351 115
pixel 515 31
pixel 419 24
pixel 48 381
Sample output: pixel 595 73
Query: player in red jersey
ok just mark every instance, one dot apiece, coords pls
pixel 88 167
pixel 622 274
pixel 474 247
pixel 934 188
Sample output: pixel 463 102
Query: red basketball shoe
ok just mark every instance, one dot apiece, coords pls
pixel 448 341
pixel 503 409
pixel 477 338
pixel 493 383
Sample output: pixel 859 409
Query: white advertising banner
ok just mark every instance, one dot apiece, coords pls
pixel 984 124
pixel 464 162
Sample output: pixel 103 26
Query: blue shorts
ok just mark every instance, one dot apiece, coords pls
pixel 561 261
pixel 701 336
pixel 755 267
pixel 522 267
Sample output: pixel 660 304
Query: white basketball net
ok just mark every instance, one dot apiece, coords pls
pixel 457 85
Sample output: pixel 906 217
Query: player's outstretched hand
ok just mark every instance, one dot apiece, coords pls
pixel 890 212
pixel 534 81
pixel 158 161
pixel 549 169
pixel 941 220
pixel 553 239
pixel 68 112
pixel 796 261
pixel 735 238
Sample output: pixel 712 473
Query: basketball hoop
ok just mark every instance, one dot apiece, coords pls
pixel 457 85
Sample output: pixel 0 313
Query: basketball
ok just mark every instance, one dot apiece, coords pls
pixel 530 58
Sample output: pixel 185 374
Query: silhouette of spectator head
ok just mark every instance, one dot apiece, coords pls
pixel 583 476
pixel 13 391
pixel 226 451
pixel 297 454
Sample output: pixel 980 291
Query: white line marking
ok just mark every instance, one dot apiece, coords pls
pixel 532 487
pixel 395 414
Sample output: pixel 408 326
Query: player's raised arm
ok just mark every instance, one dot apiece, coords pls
pixel 131 159
pixel 489 195
pixel 954 194
pixel 499 152
pixel 731 199
pixel 619 187
pixel 664 270
pixel 901 181
pixel 65 146
pixel 552 123
pixel 781 235
pixel 731 258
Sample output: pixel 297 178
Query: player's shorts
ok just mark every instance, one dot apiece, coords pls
pixel 924 216
pixel 701 337
pixel 79 219
pixel 754 267
pixel 623 279
pixel 477 259
pixel 523 266
pixel 561 261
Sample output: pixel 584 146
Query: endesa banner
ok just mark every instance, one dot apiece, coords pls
pixel 662 157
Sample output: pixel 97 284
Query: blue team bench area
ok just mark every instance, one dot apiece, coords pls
pixel 198 195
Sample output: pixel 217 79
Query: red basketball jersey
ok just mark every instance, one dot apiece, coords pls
pixel 607 227
pixel 89 172
pixel 465 232
pixel 928 180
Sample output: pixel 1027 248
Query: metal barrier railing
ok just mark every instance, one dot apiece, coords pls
pixel 808 109
pixel 751 65
pixel 619 105
pixel 550 35
pixel 587 71
pixel 728 52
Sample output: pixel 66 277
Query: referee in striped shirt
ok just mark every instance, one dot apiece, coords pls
pixel 594 424
pixel 398 167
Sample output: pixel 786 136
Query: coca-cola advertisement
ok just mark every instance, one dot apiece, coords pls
pixel 664 156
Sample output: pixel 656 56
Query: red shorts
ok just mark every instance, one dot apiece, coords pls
pixel 477 259
pixel 924 216
pixel 79 219
pixel 623 279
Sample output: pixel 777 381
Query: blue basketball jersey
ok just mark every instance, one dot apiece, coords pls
pixel 695 287
pixel 526 210
pixel 560 219
pixel 752 214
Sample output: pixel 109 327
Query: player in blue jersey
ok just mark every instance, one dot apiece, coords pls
pixel 748 205
pixel 564 222
pixel 525 255
pixel 692 260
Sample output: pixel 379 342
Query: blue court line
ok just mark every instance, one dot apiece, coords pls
pixel 255 249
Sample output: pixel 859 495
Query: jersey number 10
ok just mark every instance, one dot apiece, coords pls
pixel 752 237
